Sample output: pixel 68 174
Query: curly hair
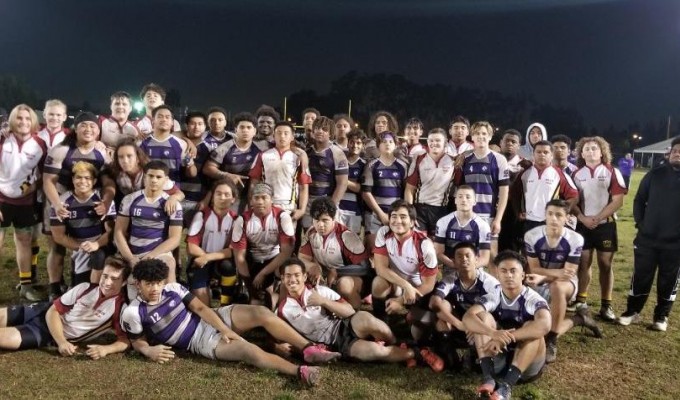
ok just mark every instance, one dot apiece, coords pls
pixel 322 206
pixel 604 149
pixel 142 158
pixel 392 124
pixel 151 270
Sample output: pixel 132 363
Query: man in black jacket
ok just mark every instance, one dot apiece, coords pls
pixel 657 244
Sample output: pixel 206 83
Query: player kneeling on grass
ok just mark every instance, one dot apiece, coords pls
pixel 406 264
pixel 553 255
pixel 169 314
pixel 82 313
pixel 337 252
pixel 321 315
pixel 508 326
pixel 453 296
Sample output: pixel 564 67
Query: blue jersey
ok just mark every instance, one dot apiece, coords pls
pixel 385 182
pixel 169 322
pixel 170 151
pixel 149 223
pixel 324 165
pixel 83 223
pixel 486 175
pixel 352 201
pixel 567 250
pixel 462 298
pixel 513 313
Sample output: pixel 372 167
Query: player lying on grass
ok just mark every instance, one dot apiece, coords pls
pixel 168 314
pixel 321 315
pixel 82 313
pixel 508 326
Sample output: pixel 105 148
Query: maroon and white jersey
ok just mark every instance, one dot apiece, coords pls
pixel 339 248
pixel 145 126
pixel 52 139
pixel 209 231
pixel 431 178
pixel 113 132
pixel 283 172
pixel 313 322
pixel 20 164
pixel 412 258
pixel 415 150
pixel 86 314
pixel 540 186
pixel 596 187
pixel 262 237
pixel 454 150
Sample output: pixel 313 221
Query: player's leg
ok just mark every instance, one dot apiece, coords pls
pixel 527 363
pixel 349 287
pixel 560 293
pixel 485 358
pixel 366 326
pixel 604 263
pixel 241 350
pixel 10 338
pixel 22 241
pixel 584 275
pixel 380 291
pixel 366 350
pixel 226 270
pixel 199 280
pixel 247 317
pixel 55 266
pixel 667 287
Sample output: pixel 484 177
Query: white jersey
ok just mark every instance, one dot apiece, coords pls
pixel 283 172
pixel 262 237
pixel 315 323
pixel 209 231
pixel 85 314
pixel 541 186
pixel 145 126
pixel 19 166
pixel 113 132
pixel 513 313
pixel 431 178
pixel 339 248
pixel 596 187
pixel 411 259
pixel 52 139
pixel 454 150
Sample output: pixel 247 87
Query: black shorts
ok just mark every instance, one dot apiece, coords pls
pixel 21 217
pixel 529 225
pixel 29 319
pixel 366 274
pixel 345 338
pixel 427 217
pixel 603 238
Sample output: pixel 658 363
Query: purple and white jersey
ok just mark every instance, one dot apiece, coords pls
pixel 149 223
pixel 486 175
pixel 169 322
pixel 233 159
pixel 352 201
pixel 450 232
pixel 568 248
pixel 513 313
pixel 61 158
pixel 461 297
pixel 83 223
pixel 385 182
pixel 324 165
pixel 170 151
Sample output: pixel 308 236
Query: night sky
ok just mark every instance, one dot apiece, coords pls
pixel 614 61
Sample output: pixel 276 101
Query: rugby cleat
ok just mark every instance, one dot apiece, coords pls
pixel 628 318
pixel 319 354
pixel 309 376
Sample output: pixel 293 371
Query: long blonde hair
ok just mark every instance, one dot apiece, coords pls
pixel 604 149
pixel 35 125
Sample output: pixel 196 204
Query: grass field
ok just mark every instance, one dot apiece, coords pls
pixel 629 363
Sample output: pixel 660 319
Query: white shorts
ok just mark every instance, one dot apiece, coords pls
pixel 205 338
pixel 544 290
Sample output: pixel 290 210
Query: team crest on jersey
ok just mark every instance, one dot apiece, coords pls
pixel 172 303
pixel 468 237
pixel 166 152
pixel 156 214
pixel 560 257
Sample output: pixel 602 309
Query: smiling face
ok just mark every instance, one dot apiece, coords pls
pixel 355 147
pixel 83 182
pixel 23 123
pixel 481 137
pixel 121 108
pixel 436 143
pixel 413 133
pixel 401 222
pixel 87 132
pixel 55 116
pixel 111 281
pixel 294 279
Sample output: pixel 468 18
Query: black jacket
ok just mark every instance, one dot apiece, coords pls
pixel 657 209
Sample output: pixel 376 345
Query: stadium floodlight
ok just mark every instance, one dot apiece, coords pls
pixel 139 106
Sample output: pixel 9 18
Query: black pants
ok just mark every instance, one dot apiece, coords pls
pixel 647 260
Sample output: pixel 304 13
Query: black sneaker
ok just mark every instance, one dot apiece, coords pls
pixel 503 392
pixel 583 318
pixel 550 351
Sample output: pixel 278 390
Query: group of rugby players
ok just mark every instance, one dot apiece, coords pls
pixel 478 252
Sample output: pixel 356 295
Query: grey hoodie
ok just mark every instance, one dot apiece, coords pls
pixel 527 150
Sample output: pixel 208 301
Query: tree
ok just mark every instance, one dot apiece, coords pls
pixel 14 91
